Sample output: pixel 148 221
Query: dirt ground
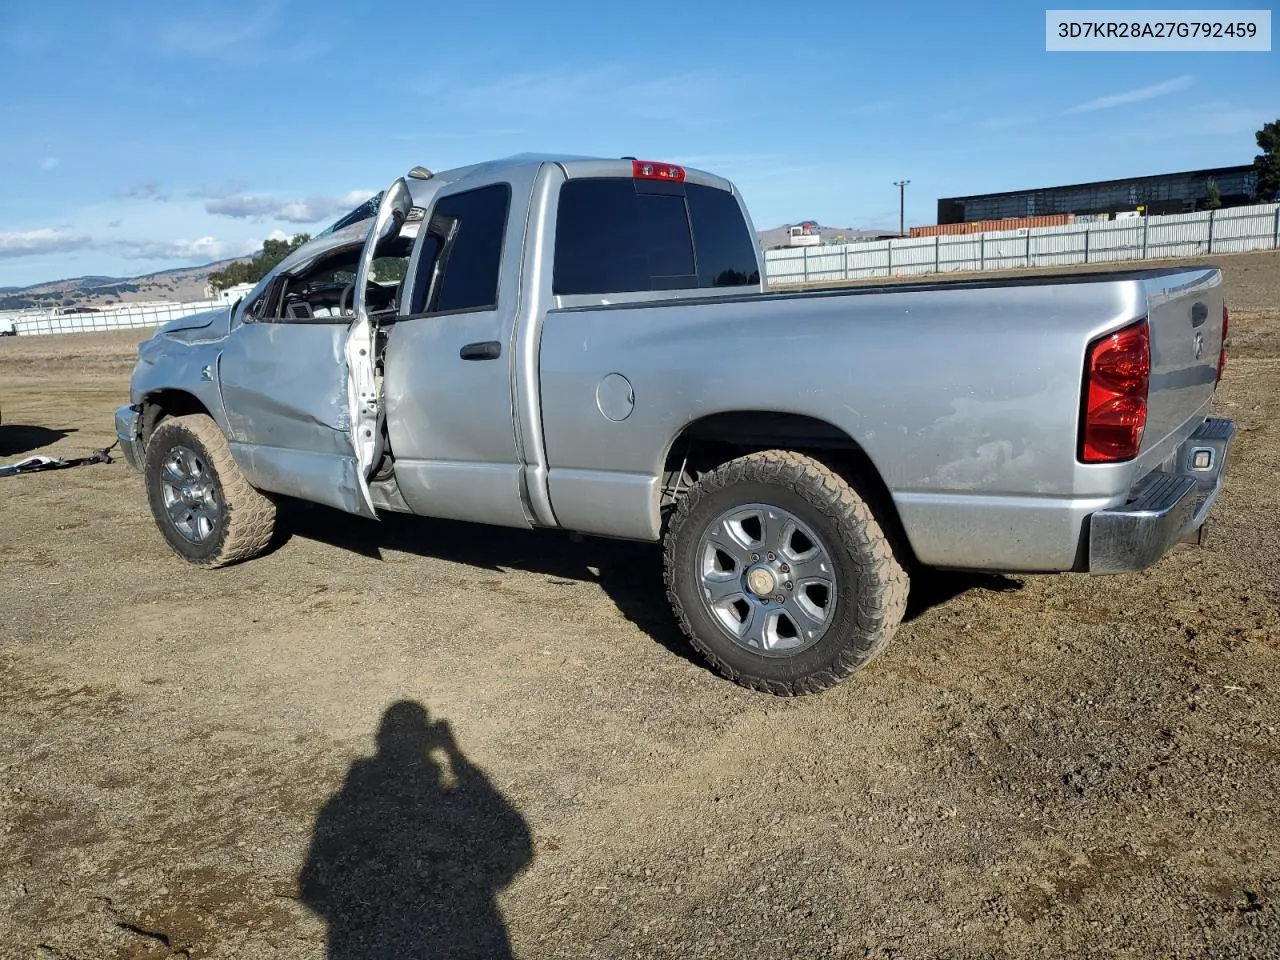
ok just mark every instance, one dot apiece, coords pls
pixel 419 738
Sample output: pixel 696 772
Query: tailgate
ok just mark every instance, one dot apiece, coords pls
pixel 1184 310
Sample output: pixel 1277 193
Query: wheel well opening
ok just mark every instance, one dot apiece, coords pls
pixel 167 403
pixel 711 441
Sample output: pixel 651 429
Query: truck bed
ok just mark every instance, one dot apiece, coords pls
pixel 964 396
pixel 855 289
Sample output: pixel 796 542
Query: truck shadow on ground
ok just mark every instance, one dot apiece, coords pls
pixel 18 438
pixel 630 573
pixel 405 862
pixel 933 588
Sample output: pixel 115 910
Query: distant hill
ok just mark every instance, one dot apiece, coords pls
pixel 777 236
pixel 179 284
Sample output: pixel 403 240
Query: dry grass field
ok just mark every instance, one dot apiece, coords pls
pixel 426 739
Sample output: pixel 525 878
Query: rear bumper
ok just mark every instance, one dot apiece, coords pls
pixel 129 434
pixel 1167 506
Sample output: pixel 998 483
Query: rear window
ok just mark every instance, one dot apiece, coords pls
pixel 619 235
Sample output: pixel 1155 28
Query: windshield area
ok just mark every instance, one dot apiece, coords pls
pixel 326 289
pixel 365 211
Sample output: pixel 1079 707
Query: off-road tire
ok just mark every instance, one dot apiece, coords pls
pixel 871 581
pixel 246 517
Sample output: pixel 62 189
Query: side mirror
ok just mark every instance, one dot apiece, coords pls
pixel 394 215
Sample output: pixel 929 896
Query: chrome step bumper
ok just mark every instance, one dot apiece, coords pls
pixel 1167 506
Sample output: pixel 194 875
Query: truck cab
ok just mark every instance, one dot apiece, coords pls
pixel 446 423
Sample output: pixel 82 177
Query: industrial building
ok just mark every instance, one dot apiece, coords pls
pixel 1152 195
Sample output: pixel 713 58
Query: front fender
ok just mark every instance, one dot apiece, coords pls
pixel 169 366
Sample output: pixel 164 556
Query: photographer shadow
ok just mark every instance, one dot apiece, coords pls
pixel 404 863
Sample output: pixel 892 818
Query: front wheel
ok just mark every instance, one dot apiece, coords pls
pixel 202 503
pixel 780 574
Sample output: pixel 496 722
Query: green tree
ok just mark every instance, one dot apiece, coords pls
pixel 1266 165
pixel 387 269
pixel 257 266
pixel 1213 196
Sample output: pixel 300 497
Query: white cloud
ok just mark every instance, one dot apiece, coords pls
pixel 310 210
pixel 204 250
pixel 236 40
pixel 25 243
pixel 242 207
pixel 1161 89
pixel 218 190
pixel 48 163
pixel 610 91
pixel 146 190
pixel 315 209
pixel 45 240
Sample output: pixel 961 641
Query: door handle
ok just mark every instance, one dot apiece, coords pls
pixel 484 350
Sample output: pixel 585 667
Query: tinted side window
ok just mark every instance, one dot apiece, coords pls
pixel 610 238
pixel 726 250
pixel 427 258
pixel 470 229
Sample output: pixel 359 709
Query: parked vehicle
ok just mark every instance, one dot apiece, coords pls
pixel 590 345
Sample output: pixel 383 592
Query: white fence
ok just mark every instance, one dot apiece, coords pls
pixel 1236 230
pixel 116 318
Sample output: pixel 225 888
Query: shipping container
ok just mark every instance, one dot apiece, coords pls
pixel 990 226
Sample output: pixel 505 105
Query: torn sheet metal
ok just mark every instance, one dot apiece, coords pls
pixel 319 478
pixel 285 385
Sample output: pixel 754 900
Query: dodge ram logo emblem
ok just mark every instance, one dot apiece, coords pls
pixel 1199 345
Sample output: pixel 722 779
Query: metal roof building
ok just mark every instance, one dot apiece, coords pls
pixel 1157 194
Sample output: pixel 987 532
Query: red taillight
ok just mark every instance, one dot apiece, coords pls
pixel 1117 375
pixel 650 170
pixel 1222 352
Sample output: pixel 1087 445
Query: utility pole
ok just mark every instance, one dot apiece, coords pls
pixel 901 185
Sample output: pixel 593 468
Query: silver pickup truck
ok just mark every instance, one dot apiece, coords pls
pixel 590 345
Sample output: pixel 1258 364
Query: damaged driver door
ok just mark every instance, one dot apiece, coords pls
pixel 364 389
pixel 298 373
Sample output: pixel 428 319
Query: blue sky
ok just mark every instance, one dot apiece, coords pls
pixel 140 136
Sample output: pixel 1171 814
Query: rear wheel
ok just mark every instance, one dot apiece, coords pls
pixel 780 574
pixel 205 508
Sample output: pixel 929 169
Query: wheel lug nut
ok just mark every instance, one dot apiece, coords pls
pixel 779 598
pixel 771 556
pixel 785 568
pixel 789 585
pixel 755 558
